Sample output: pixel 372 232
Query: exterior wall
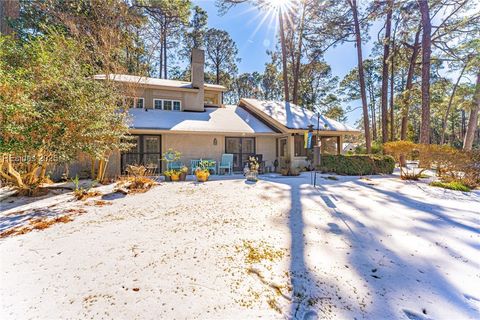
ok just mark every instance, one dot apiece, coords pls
pixel 201 146
pixel 266 146
pixel 191 99
pixel 194 147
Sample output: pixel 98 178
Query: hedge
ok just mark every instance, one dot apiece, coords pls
pixel 357 165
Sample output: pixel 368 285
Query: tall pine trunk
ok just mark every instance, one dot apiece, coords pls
pixel 361 76
pixel 473 119
pixel 284 57
pixel 386 54
pixel 392 95
pixel 296 73
pixel 409 86
pixel 426 52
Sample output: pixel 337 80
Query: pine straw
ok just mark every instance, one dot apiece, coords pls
pixel 136 184
pixel 84 194
pixel 41 224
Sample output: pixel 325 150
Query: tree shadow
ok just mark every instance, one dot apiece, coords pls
pixel 390 291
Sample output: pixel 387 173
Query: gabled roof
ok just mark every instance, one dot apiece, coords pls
pixel 230 119
pixel 125 78
pixel 294 117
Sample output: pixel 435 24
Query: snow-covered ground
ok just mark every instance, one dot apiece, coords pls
pixel 226 249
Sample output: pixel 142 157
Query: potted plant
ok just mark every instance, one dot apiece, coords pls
pixel 202 172
pixel 168 175
pixel 183 173
pixel 175 176
pixel 252 172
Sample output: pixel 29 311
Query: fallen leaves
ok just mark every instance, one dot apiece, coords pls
pixel 41 223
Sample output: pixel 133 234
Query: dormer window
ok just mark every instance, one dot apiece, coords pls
pixel 167 105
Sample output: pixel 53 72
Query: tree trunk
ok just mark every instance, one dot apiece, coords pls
pixel 296 73
pixel 361 76
pixel 165 57
pixel 447 112
pixel 392 96
pixel 9 9
pixel 386 54
pixel 473 119
pixel 409 85
pixel 217 73
pixel 284 57
pixel 426 52
pixel 392 84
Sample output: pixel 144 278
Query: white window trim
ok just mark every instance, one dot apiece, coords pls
pixel 180 102
pixel 154 104
pixel 163 104
pixel 136 102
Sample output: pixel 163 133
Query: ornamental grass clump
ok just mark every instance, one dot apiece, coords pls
pixel 454 185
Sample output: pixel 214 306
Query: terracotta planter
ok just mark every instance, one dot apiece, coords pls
pixel 175 177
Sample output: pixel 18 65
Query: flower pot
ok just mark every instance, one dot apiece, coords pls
pixel 175 177
pixel 202 176
pixel 183 176
pixel 168 178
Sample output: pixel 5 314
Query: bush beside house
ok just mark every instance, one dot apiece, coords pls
pixel 357 165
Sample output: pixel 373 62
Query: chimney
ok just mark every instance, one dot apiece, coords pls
pixel 197 74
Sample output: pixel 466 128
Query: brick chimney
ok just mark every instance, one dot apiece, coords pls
pixel 197 74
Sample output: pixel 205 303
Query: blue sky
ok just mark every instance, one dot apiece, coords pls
pixel 254 38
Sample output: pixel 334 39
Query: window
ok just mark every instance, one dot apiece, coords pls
pixel 133 102
pixel 211 99
pixel 168 105
pixel 283 147
pixel 139 103
pixel 176 105
pixel 299 142
pixel 157 104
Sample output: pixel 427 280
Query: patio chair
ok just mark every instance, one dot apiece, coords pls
pixel 213 167
pixel 194 164
pixel 174 165
pixel 226 163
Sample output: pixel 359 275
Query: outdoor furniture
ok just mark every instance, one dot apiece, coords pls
pixel 213 167
pixel 174 165
pixel 194 164
pixel 226 163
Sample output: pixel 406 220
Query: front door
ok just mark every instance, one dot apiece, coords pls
pixel 241 148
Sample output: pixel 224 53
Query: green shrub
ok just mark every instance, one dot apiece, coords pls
pixel 357 165
pixel 453 185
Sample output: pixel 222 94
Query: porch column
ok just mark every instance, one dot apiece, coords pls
pixel 339 144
